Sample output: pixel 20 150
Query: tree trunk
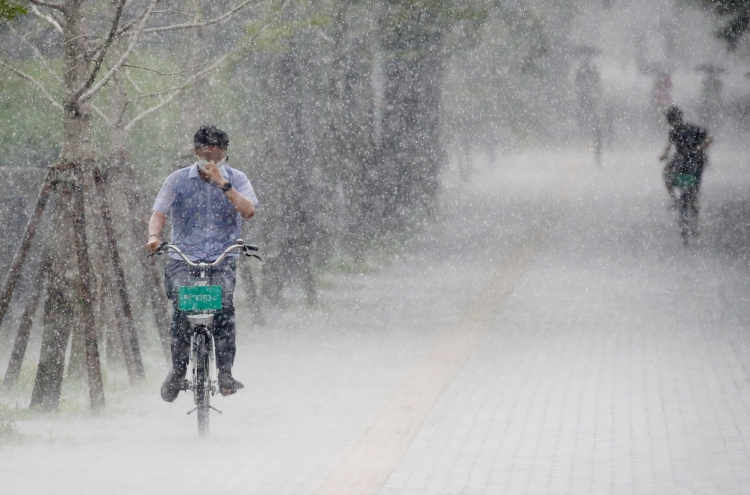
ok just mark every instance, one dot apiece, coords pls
pixel 288 224
pixel 14 273
pixel 128 335
pixel 27 320
pixel 93 361
pixel 410 153
pixel 58 306
pixel 351 133
pixel 153 284
pixel 70 231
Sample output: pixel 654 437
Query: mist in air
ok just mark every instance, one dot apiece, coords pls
pixel 487 262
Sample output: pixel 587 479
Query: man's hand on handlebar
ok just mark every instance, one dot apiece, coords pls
pixel 153 244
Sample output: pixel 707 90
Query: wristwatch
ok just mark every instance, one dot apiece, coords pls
pixel 227 186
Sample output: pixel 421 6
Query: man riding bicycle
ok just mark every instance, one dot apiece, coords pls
pixel 690 142
pixel 206 203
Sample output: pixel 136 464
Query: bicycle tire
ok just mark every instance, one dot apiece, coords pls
pixel 202 383
pixel 688 216
pixel 683 220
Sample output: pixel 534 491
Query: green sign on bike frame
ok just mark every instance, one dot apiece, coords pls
pixel 199 298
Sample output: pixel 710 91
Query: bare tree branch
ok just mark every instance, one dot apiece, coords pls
pixel 52 5
pixel 102 115
pixel 209 22
pixel 165 73
pixel 151 110
pixel 86 36
pixel 200 75
pixel 135 85
pixel 128 25
pixel 323 35
pixel 34 82
pixel 168 11
pixel 47 18
pixel 177 90
pixel 77 95
pixel 37 53
pixel 133 42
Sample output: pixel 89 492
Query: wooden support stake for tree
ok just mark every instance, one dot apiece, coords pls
pixel 152 281
pixel 154 285
pixel 23 250
pixel 24 329
pixel 128 334
pixel 58 321
pixel 93 363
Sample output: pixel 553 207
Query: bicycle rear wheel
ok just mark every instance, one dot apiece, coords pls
pixel 202 382
pixel 688 215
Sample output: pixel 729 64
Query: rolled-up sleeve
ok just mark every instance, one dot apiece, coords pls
pixel 244 187
pixel 166 197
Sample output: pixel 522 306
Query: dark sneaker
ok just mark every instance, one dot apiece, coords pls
pixel 227 384
pixel 173 384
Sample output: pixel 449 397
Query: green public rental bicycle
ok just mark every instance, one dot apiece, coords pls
pixel 201 301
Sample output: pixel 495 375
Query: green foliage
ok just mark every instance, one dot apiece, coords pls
pixel 8 431
pixel 419 24
pixel 30 128
pixel 8 416
pixel 281 32
pixel 10 9
pixel 494 87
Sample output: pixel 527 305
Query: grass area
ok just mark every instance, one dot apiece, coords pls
pixel 8 431
pixel 9 415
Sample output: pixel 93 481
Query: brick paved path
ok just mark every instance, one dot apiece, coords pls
pixel 620 365
pixel 618 362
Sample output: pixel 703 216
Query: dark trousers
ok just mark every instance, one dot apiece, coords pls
pixel 178 273
pixel 224 333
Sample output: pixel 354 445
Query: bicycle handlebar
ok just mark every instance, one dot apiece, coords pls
pixel 239 244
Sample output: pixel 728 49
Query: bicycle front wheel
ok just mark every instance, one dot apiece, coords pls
pixel 202 383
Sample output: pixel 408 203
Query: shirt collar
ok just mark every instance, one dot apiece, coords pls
pixel 193 173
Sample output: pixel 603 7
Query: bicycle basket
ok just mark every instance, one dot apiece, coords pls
pixel 199 298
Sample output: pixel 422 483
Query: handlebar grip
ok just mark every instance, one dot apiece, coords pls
pixel 161 249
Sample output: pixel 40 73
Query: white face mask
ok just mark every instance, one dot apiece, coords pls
pixel 202 162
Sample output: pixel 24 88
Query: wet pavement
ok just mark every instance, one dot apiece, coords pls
pixel 549 334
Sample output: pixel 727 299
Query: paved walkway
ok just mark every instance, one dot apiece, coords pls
pixel 549 335
pixel 619 365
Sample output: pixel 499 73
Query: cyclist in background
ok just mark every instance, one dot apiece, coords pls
pixel 690 142
pixel 206 203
